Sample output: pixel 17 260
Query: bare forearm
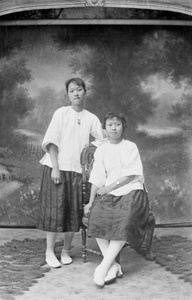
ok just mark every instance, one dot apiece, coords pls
pixel 115 185
pixel 53 151
pixel 55 173
pixel 93 193
pixel 106 189
pixel 121 182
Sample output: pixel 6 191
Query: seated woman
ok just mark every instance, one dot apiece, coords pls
pixel 118 203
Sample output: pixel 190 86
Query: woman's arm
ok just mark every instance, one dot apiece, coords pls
pixel 53 133
pixel 55 174
pixel 106 189
pixel 115 185
pixel 93 193
pixel 96 129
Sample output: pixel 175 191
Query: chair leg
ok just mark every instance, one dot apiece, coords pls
pixel 149 239
pixel 84 256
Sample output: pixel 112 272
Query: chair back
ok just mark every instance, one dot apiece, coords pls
pixel 86 159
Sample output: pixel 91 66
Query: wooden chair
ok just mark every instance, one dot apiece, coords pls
pixel 87 159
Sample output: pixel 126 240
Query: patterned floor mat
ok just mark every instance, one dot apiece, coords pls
pixel 175 254
pixel 22 262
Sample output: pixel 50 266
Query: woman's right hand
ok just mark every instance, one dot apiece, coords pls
pixel 56 175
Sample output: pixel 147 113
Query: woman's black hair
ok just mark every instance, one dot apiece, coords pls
pixel 77 80
pixel 112 115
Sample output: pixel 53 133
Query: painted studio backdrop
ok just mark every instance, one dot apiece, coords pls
pixel 143 71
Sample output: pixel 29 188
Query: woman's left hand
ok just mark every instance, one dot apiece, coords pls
pixel 104 190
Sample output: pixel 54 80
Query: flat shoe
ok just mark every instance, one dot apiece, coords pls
pixel 98 280
pixel 52 261
pixel 65 258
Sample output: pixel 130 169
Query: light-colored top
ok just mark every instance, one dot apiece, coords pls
pixel 113 161
pixel 70 132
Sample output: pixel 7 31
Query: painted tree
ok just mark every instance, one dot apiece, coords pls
pixel 117 60
pixel 46 102
pixel 174 62
pixel 108 58
pixel 15 102
pixel 182 75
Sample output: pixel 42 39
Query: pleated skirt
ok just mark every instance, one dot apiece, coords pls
pixel 120 218
pixel 60 206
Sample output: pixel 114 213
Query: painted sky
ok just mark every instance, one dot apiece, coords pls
pixel 48 65
pixel 165 94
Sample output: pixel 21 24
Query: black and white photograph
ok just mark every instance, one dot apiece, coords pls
pixel 96 150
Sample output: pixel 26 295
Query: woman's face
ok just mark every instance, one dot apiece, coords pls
pixel 114 129
pixel 76 94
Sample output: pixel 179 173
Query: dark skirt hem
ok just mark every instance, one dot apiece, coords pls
pixel 60 206
pixel 122 218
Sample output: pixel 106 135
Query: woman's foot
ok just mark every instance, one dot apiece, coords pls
pixel 119 270
pixel 99 276
pixel 65 258
pixel 114 272
pixel 52 260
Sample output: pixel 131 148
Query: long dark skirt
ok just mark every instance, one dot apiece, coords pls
pixel 60 206
pixel 120 218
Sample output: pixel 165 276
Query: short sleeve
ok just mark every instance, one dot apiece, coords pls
pixel 132 162
pixel 96 129
pixel 53 133
pixel 98 174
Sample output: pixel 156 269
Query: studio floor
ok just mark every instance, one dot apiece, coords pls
pixel 141 280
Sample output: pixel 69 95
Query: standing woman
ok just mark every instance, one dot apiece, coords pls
pixel 118 203
pixel 61 207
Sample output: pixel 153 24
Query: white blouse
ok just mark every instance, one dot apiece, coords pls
pixel 113 161
pixel 70 132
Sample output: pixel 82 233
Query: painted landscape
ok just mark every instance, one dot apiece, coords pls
pixel 143 71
